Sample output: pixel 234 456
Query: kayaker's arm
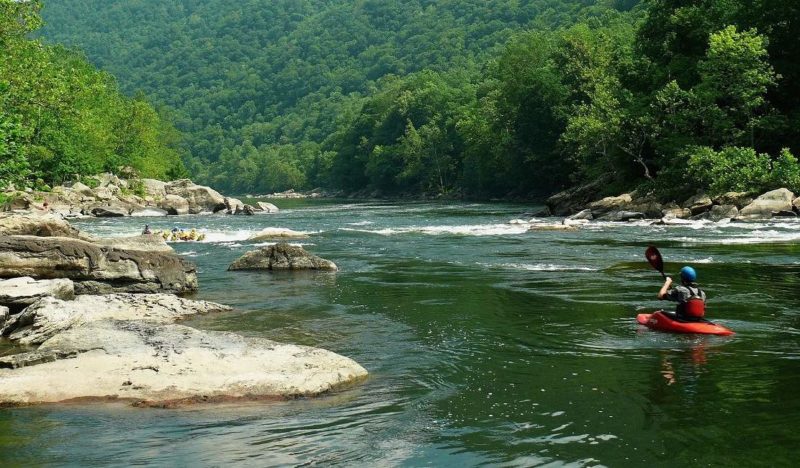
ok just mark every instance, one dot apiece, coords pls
pixel 663 293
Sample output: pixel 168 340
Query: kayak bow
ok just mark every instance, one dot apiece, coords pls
pixel 662 322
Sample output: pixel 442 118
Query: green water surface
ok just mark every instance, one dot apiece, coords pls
pixel 486 345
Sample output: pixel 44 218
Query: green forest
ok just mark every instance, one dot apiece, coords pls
pixel 61 117
pixel 470 98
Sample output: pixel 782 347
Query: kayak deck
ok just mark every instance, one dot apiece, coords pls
pixel 662 322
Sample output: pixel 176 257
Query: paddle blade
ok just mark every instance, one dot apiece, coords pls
pixel 654 258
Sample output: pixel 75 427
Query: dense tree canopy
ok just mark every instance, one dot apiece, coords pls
pixel 474 97
pixel 60 117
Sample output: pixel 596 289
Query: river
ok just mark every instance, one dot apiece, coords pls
pixel 486 345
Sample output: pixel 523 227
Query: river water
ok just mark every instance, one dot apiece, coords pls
pixel 486 345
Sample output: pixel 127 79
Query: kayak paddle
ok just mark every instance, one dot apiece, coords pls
pixel 654 258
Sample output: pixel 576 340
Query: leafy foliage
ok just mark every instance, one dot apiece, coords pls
pixel 60 117
pixel 472 97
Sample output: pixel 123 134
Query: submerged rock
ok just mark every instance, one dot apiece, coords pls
pixel 281 256
pixel 96 268
pixel 277 233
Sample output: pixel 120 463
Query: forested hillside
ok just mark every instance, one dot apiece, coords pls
pixel 259 86
pixel 61 118
pixel 473 97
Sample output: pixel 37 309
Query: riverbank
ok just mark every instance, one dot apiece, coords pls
pixel 97 318
pixel 109 196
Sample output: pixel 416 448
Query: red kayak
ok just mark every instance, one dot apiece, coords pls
pixel 662 322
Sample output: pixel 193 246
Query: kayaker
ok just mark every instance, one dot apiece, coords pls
pixel 690 298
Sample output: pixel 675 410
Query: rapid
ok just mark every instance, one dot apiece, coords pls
pixel 486 343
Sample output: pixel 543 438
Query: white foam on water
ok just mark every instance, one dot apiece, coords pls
pixel 539 267
pixel 463 230
pixel 227 236
pixel 361 223
pixel 756 237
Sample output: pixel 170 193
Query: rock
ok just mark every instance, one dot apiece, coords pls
pixel 651 209
pixel 165 365
pixel 573 200
pixel 766 204
pixel 49 316
pixel 4 314
pixel 720 212
pixel 44 225
pixel 609 204
pixel 796 204
pixel 174 205
pixel 114 211
pixel 622 215
pixel 737 199
pixel 277 233
pixel 24 291
pixel 676 213
pixel 233 205
pixel 246 210
pixel 82 189
pixel 105 193
pixel 281 256
pixel 200 198
pixel 585 214
pixel 18 201
pixel 154 188
pixel 144 242
pixel 267 207
pixel 96 268
pixel 699 203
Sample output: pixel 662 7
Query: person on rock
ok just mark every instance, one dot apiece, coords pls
pixel 690 298
pixel 146 229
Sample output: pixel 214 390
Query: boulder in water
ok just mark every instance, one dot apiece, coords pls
pixel 281 256
pixel 267 207
pixel 585 214
pixel 767 204
pixel 277 233
pixel 96 268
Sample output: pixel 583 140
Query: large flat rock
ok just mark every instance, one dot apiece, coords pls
pixel 162 364
pixel 95 268
pixel 25 290
pixel 35 224
pixel 49 316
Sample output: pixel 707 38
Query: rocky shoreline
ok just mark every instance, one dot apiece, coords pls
pixel 108 195
pixel 98 321
pixel 584 204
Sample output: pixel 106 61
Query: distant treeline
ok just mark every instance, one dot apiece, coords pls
pixel 61 118
pixel 481 98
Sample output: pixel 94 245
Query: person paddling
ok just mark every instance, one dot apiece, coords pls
pixel 690 298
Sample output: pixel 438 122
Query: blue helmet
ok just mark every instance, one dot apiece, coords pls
pixel 688 274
